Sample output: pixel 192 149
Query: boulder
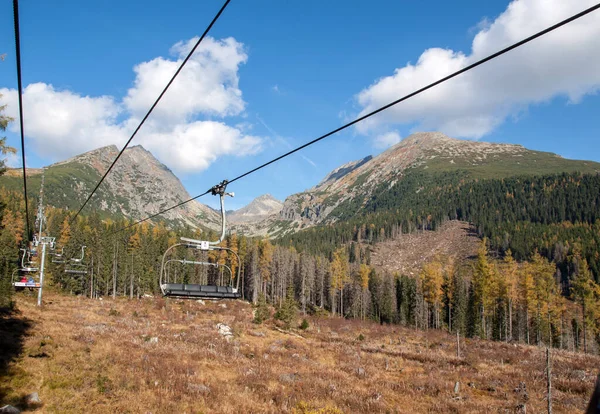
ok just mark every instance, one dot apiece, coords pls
pixel 9 409
pixel 33 398
pixel 225 331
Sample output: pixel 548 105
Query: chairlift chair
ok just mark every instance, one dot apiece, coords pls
pixel 76 265
pixel 27 270
pixel 193 290
pixel 27 266
pixel 58 258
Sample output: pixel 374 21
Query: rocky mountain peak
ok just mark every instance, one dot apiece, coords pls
pixel 265 197
pixel 139 185
pixel 260 208
pixel 426 138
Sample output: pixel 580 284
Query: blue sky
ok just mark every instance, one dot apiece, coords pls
pixel 292 71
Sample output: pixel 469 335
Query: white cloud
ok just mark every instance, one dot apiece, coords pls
pixel 387 139
pixel 199 144
pixel 562 63
pixel 62 123
pixel 207 84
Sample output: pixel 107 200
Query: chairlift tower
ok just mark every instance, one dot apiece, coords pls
pixel 43 240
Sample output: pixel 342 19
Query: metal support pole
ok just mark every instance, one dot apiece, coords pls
pixel 39 301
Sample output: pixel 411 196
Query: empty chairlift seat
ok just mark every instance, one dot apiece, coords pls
pixel 201 291
pixel 190 290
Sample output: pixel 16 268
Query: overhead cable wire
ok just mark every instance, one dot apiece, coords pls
pixel 418 91
pixel 159 213
pixel 20 91
pixel 397 101
pixel 214 20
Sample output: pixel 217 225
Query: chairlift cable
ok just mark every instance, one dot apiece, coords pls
pixel 425 88
pixel 214 20
pixel 20 89
pixel 389 105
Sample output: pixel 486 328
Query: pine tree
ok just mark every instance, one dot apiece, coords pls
pixel 582 290
pixel 264 264
pixel 432 279
pixel 287 312
pixel 481 287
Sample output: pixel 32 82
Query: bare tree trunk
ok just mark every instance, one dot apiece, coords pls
pixel 342 300
pixel 549 378
pixel 510 328
pixel 303 291
pixel 584 328
pixel 114 292
pixel 131 278
pixel 92 280
pixel 527 323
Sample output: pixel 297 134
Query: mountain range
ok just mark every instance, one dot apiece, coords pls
pixel 140 185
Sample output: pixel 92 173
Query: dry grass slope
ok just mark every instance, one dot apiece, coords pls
pixel 407 253
pixel 165 356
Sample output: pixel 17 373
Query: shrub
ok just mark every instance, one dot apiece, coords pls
pixel 113 312
pixel 287 312
pixel 304 324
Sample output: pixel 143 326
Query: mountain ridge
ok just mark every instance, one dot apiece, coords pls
pixel 138 186
pixel 428 152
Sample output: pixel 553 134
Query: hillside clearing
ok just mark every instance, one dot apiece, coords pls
pixel 407 253
pixel 160 356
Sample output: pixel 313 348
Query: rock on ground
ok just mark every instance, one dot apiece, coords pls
pixel 288 377
pixel 198 388
pixel 33 398
pixel 224 331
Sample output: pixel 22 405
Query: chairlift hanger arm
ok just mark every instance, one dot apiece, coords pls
pixel 219 190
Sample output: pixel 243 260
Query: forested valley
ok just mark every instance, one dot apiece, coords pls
pixel 534 280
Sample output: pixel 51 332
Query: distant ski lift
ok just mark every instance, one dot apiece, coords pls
pixel 192 290
pixel 58 258
pixel 76 266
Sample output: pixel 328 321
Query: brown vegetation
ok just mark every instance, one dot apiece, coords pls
pixel 165 356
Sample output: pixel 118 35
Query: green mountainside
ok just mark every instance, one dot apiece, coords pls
pixel 66 186
pixel 137 187
pixel 426 154
pixel 521 200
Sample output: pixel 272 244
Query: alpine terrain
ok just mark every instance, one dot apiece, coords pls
pixel 430 156
pixel 138 186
